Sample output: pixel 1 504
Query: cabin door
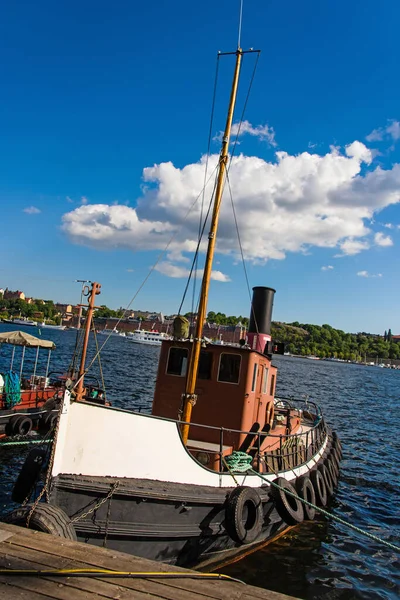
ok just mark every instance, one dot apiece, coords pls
pixel 261 396
pixel 258 395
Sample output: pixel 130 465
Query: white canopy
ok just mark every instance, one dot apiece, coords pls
pixel 20 338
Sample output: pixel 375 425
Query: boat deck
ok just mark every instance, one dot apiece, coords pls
pixel 22 548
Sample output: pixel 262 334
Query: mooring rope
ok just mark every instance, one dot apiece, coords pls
pixel 241 462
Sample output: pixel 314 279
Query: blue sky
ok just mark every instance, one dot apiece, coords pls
pixel 104 122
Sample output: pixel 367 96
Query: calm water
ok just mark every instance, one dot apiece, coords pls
pixel 319 559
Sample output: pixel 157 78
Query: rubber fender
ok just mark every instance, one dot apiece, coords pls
pixel 321 495
pixel 332 473
pixel 28 475
pixel 47 421
pixel 244 515
pixel 327 478
pixel 19 425
pixel 305 490
pixel 333 468
pixel 290 509
pixel 46 518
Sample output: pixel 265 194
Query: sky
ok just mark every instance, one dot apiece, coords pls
pixel 105 118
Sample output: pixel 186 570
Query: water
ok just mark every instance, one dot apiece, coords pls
pixel 317 560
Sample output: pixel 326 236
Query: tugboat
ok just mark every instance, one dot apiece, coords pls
pixel 219 468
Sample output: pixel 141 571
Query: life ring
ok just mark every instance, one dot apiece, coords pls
pixel 290 509
pixel 305 490
pixel 19 425
pixel 46 518
pixel 28 475
pixel 327 478
pixel 319 485
pixel 244 516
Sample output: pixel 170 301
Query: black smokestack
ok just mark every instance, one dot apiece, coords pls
pixel 261 311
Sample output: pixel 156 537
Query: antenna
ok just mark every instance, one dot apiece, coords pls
pixel 240 22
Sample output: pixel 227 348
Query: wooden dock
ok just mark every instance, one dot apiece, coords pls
pixel 22 548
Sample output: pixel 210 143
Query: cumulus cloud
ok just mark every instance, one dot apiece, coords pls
pixel 368 275
pixel 177 272
pixel 391 131
pixel 84 200
pixel 290 204
pixel 327 268
pixel 265 133
pixel 32 210
pixel 383 240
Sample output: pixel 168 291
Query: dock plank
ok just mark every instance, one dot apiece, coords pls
pixel 24 548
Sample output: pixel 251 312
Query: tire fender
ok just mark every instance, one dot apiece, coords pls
pixel 290 509
pixel 28 475
pixel 305 490
pixel 318 482
pixel 244 515
pixel 46 518
pixel 327 478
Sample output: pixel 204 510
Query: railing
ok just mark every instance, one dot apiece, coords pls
pixel 291 450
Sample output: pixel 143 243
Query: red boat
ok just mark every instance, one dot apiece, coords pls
pixel 26 403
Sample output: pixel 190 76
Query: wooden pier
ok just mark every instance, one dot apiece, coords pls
pixel 22 548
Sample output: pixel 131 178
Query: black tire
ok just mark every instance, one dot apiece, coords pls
pixel 331 470
pixel 336 454
pixel 290 509
pixel 47 421
pixel 28 475
pixel 244 516
pixel 46 518
pixel 321 495
pixel 19 425
pixel 305 490
pixel 334 466
pixel 327 478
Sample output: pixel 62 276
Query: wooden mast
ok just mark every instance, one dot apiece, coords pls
pixel 93 293
pixel 190 396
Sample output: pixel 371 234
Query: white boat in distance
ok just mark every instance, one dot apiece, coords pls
pixel 152 338
pixel 25 322
pixel 45 325
pixel 111 332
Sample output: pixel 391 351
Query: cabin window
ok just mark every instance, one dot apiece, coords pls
pixel 253 383
pixel 205 365
pixel 272 385
pixel 177 361
pixel 265 381
pixel 229 368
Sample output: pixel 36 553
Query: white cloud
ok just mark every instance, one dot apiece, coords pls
pixel 31 210
pixel 368 275
pixel 327 268
pixel 130 270
pixel 176 272
pixel 383 240
pixel 286 205
pixel 84 200
pixel 68 199
pixel 388 225
pixel 264 133
pixel 392 130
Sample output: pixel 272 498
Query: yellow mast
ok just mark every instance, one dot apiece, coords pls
pixel 190 396
pixel 93 293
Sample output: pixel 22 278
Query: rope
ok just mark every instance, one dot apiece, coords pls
pixel 241 248
pixel 109 573
pixel 103 383
pixel 25 443
pixel 243 464
pixel 12 389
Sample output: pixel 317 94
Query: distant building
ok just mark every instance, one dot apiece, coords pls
pixel 63 309
pixel 1 292
pixel 29 300
pixel 9 295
